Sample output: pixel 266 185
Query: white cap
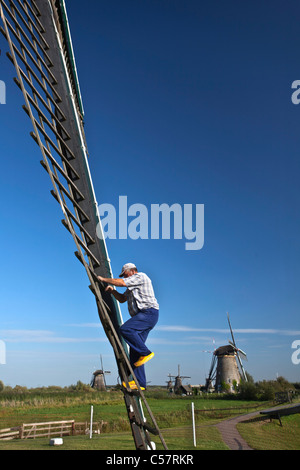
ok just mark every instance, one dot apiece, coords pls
pixel 127 267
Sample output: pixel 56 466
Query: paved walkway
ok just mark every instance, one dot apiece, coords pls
pixel 232 437
pixel 230 434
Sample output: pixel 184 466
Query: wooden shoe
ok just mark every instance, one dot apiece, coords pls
pixel 143 359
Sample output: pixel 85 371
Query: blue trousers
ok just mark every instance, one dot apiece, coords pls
pixel 135 332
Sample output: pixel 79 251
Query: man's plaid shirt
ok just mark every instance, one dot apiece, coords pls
pixel 139 293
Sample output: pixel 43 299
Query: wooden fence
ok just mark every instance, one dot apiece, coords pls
pixel 49 429
pixel 9 433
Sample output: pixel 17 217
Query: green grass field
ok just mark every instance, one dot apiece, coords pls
pixel 173 415
pixel 177 439
pixel 266 435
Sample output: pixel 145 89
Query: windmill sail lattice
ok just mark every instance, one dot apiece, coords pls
pixel 40 48
pixel 237 351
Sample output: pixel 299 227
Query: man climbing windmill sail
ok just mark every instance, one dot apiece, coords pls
pixel 144 311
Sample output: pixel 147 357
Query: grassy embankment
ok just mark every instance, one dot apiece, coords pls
pixel 173 415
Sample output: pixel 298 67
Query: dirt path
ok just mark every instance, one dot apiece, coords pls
pixel 230 434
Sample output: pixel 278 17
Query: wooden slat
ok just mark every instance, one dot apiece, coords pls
pixel 46 45
pixel 49 423
pixel 59 125
pixel 4 435
pixel 84 216
pixel 83 245
pixel 64 174
pixel 16 51
pixel 23 46
pixel 90 239
pixel 35 15
pixel 46 136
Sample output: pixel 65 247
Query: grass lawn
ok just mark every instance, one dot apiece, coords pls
pixel 168 412
pixel 173 415
pixel 181 438
pixel 266 435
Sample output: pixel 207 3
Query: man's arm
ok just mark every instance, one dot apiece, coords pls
pixel 117 295
pixel 114 282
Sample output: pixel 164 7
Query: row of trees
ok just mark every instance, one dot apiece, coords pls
pixel 18 389
pixel 265 389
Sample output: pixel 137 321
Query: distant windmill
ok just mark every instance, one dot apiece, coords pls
pixel 170 386
pixel 180 389
pixel 98 380
pixel 226 365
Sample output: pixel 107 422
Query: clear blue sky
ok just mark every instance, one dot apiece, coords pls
pixel 185 102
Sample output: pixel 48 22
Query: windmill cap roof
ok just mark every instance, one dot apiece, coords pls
pixel 223 350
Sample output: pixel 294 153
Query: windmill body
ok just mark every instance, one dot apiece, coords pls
pixel 227 371
pixel 179 388
pixel 226 367
pixel 170 386
pixel 98 380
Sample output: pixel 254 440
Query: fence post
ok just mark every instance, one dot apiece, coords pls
pixel 194 430
pixel 91 423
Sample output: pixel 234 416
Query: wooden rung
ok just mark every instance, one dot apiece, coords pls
pixel 58 113
pixel 64 174
pixel 28 67
pixel 79 258
pixel 24 47
pixel 33 24
pixel 42 131
pixel 81 243
pixel 53 129
pixel 151 429
pixel 90 239
pixel 85 217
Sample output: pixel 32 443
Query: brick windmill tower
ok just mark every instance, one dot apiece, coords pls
pixel 179 388
pixel 98 380
pixel 226 366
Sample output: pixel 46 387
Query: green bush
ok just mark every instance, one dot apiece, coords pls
pixel 247 391
pixel 264 390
